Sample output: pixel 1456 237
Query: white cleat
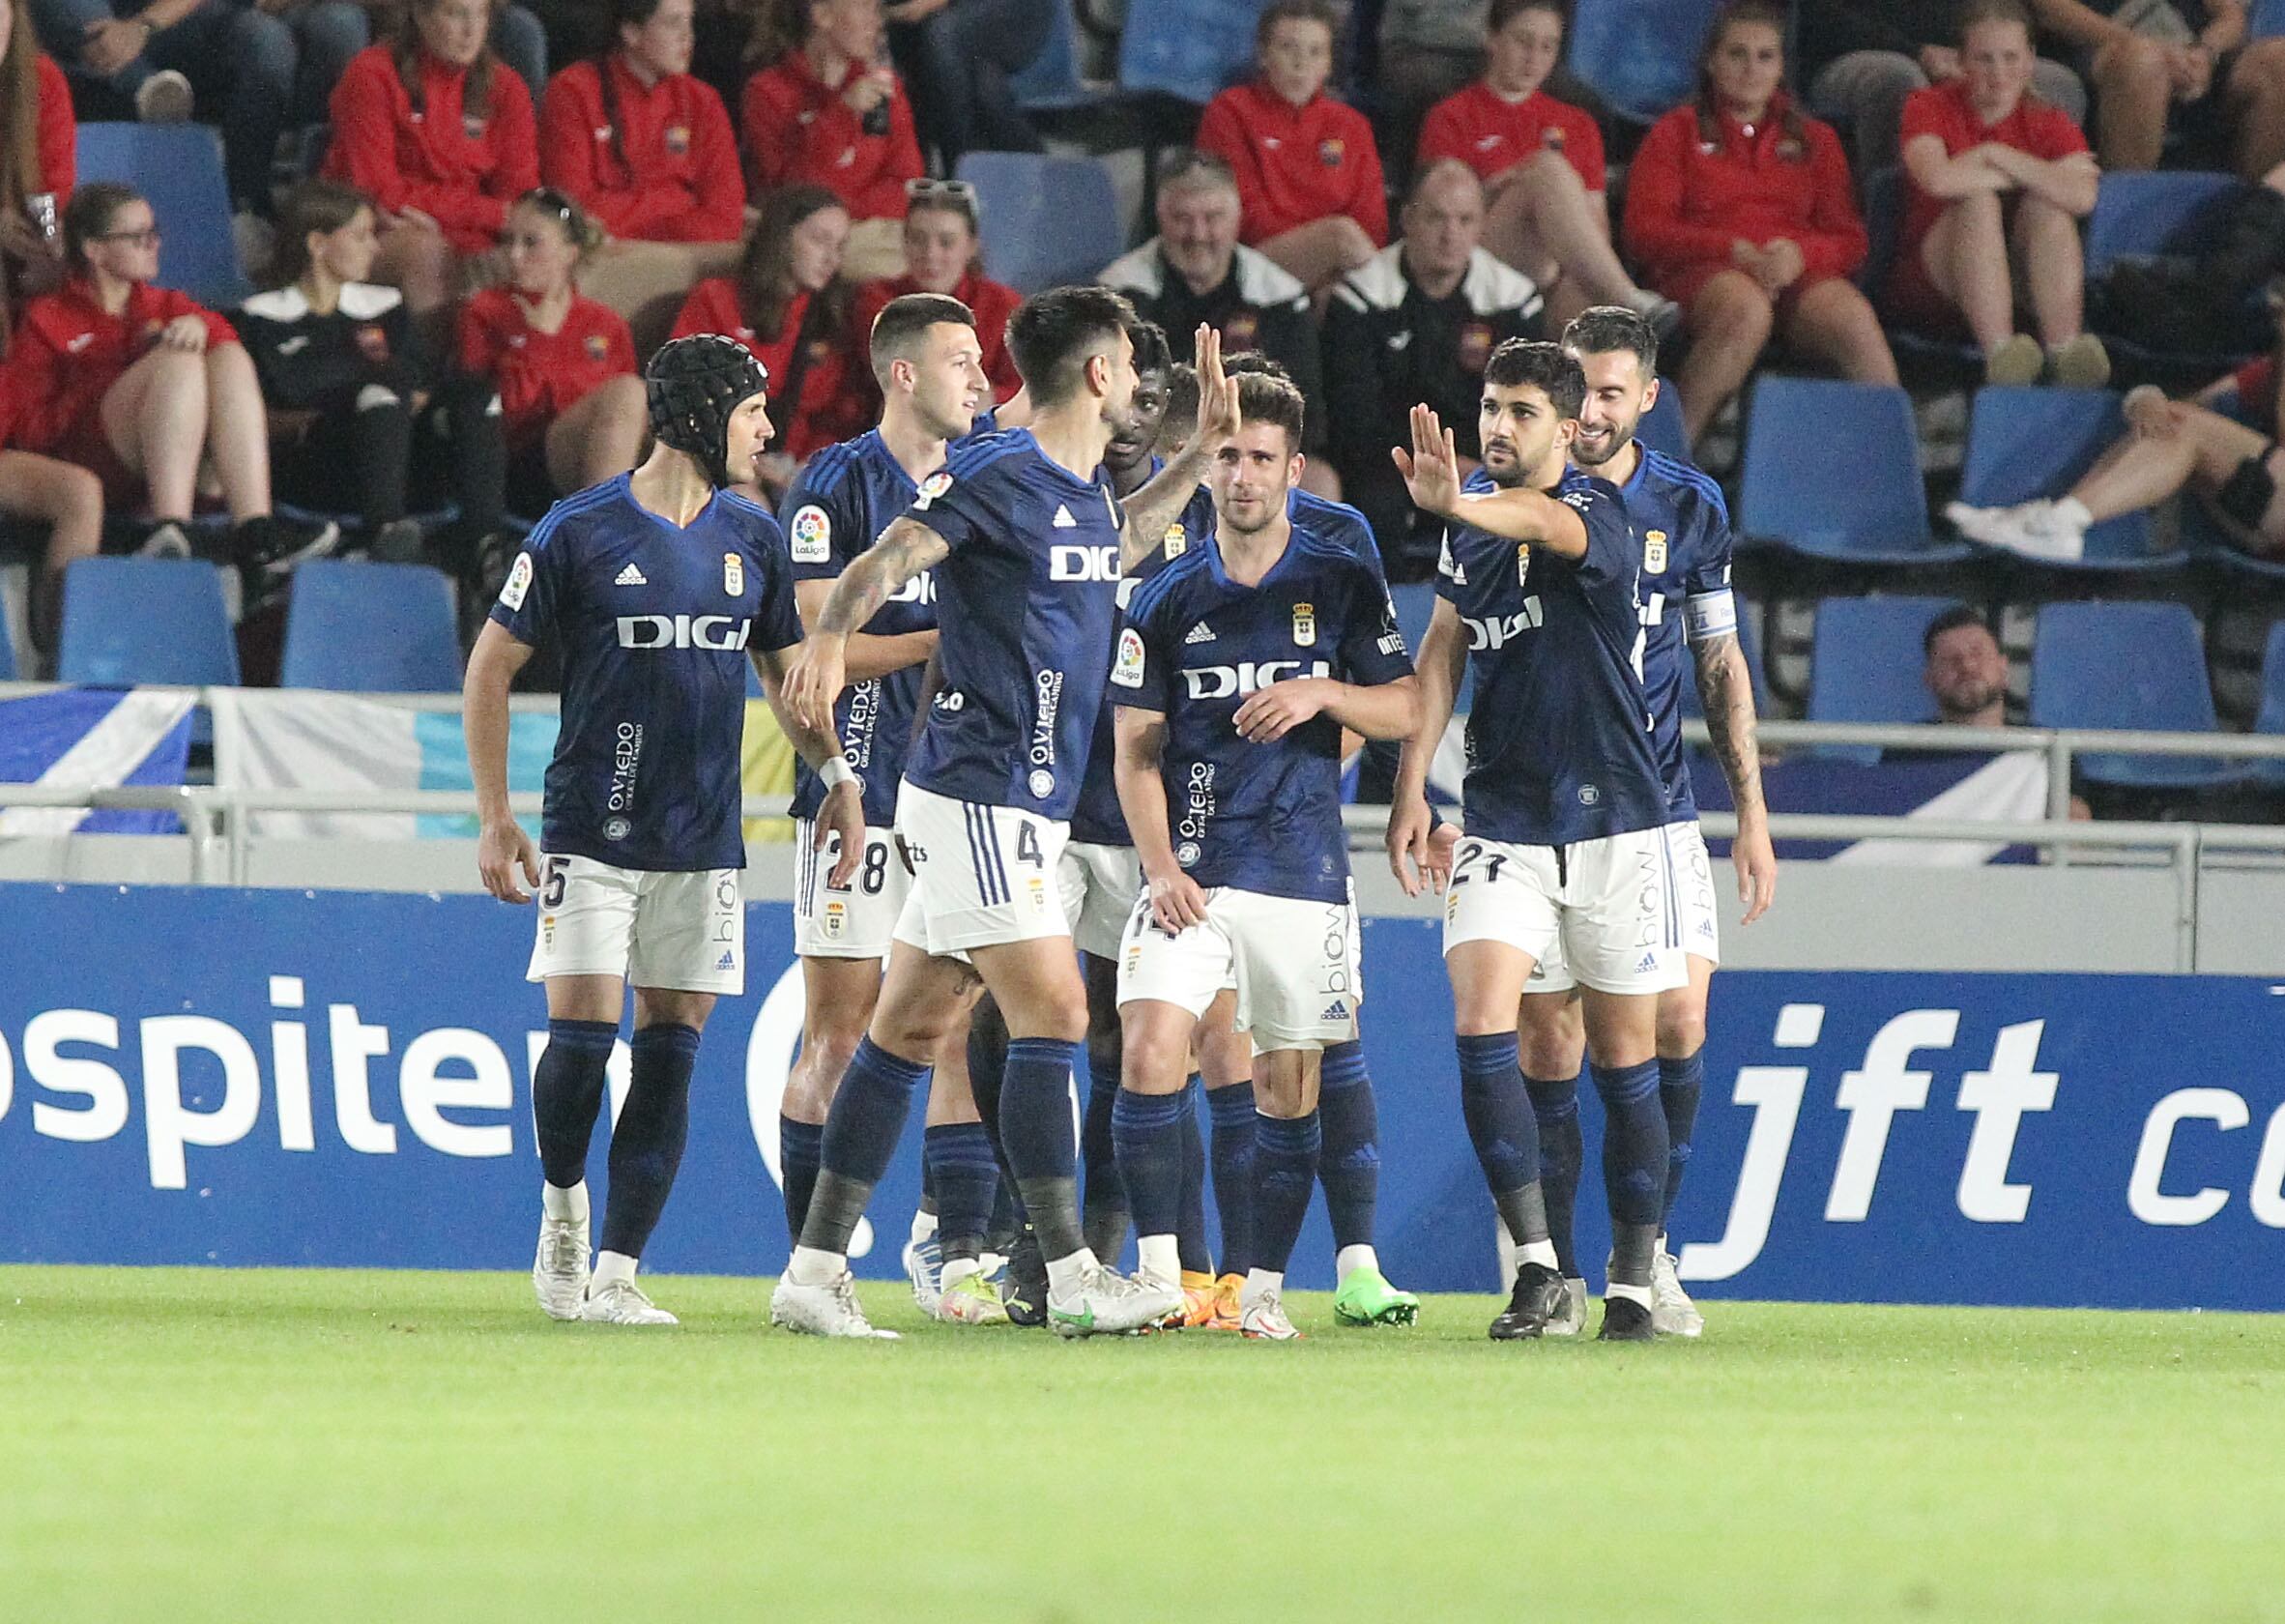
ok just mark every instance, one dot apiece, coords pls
pixel 827 1311
pixel 1574 1318
pixel 1261 1316
pixel 970 1300
pixel 1672 1312
pixel 560 1269
pixel 2035 529
pixel 924 1267
pixel 1109 1303
pixel 621 1302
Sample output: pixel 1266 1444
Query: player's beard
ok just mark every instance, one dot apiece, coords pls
pixel 1620 440
pixel 1508 475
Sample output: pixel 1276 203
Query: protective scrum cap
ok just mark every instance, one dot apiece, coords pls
pixel 693 384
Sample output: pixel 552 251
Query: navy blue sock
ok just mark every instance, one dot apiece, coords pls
pixel 800 1152
pixel 958 1154
pixel 1104 1198
pixel 1634 1164
pixel 1232 1111
pixel 1147 1130
pixel 567 1093
pixel 861 1133
pixel 1350 1167
pixel 1562 1151
pixel 1502 1129
pixel 647 1144
pixel 1036 1132
pixel 1285 1175
pixel 1189 1223
pixel 1681 1083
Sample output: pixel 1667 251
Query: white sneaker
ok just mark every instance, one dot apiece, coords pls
pixel 2035 529
pixel 1574 1318
pixel 828 1311
pixel 621 1302
pixel 1672 1312
pixel 1261 1315
pixel 165 98
pixel 1110 1303
pixel 924 1267
pixel 559 1268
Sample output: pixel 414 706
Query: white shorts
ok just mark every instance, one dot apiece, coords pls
pixel 682 933
pixel 1693 888
pixel 854 921
pixel 1293 964
pixel 981 875
pixel 1100 884
pixel 1609 905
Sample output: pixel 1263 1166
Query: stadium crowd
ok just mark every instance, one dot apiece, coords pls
pixel 463 250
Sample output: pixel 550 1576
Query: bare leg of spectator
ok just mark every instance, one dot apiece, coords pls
pixel 1965 255
pixel 2256 91
pixel 154 417
pixel 420 263
pixel 2144 470
pixel 2047 243
pixel 71 500
pixel 1833 322
pixel 1729 325
pixel 236 431
pixel 2132 92
pixel 646 282
pixel 600 437
pixel 1542 215
pixel 1322 252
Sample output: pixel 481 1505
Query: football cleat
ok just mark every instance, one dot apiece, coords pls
pixel 970 1300
pixel 1262 1318
pixel 1573 1317
pixel 828 1311
pixel 1024 1292
pixel 924 1267
pixel 1199 1299
pixel 1672 1312
pixel 560 1269
pixel 1108 1303
pixel 621 1302
pixel 1623 1320
pixel 1229 1292
pixel 1367 1298
pixel 1537 1299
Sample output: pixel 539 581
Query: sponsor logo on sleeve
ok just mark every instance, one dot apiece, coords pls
pixel 932 487
pixel 812 539
pixel 1127 671
pixel 518 583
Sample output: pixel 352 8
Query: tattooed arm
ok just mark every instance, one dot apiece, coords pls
pixel 1726 685
pixel 814 678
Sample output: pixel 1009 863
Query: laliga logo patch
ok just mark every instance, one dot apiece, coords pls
pixel 1654 551
pixel 597 347
pixel 1305 624
pixel 1240 327
pixel 1475 345
pixel 813 535
pixel 518 582
pixel 734 575
pixel 677 139
pixel 1331 150
pixel 932 487
pixel 1127 670
pixel 372 343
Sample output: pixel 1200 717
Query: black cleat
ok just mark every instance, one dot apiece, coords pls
pixel 1625 1319
pixel 1023 1293
pixel 1537 1299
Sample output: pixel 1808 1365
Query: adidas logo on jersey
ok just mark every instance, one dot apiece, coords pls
pixel 1199 633
pixel 1337 1010
pixel 1063 518
pixel 630 576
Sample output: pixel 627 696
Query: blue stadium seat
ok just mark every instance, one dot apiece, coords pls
pixel 1833 472
pixel 1748 640
pixel 1047 221
pixel 2272 717
pixel 1188 49
pixel 370 628
pixel 2149 212
pixel 178 168
pixel 1867 665
pixel 1050 84
pixel 137 620
pixel 2268 19
pixel 1661 428
pixel 2026 443
pixel 1639 56
pixel 2127 665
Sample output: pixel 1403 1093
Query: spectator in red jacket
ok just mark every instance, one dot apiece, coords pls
pixel 1739 209
pixel 1541 164
pixel 649 152
pixel 941 244
pixel 790 304
pixel 38 150
pixel 141 384
pixel 829 111
pixel 1308 171
pixel 2000 181
pixel 572 402
pixel 439 133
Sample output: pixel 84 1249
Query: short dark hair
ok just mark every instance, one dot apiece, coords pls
pixel 1254 362
pixel 1539 364
pixel 1607 329
pixel 1977 13
pixel 1264 399
pixel 1052 334
pixel 89 215
pixel 904 319
pixel 1952 619
pixel 1296 10
pixel 1181 397
pixel 1505 11
pixel 315 205
pixel 1152 352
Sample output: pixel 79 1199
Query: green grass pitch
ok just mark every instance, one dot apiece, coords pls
pixel 186 1446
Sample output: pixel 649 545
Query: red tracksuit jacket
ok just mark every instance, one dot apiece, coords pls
pixel 461 170
pixel 656 164
pixel 1296 164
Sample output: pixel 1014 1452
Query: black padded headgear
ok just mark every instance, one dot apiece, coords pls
pixel 694 384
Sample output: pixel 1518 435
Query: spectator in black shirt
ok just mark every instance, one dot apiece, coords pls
pixel 351 395
pixel 1416 325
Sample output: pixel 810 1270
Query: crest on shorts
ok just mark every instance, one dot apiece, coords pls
pixel 1305 624
pixel 733 575
pixel 1176 540
pixel 837 917
pixel 678 138
pixel 1331 151
pixel 372 343
pixel 598 347
pixel 1475 345
pixel 1239 328
pixel 812 536
pixel 1654 551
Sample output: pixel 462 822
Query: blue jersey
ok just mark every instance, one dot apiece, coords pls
pixel 1262 818
pixel 653 623
pixel 1559 735
pixel 844 497
pixel 1682 524
pixel 1336 522
pixel 1027 604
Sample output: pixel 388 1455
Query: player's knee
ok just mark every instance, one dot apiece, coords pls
pixel 1682 1028
pixel 1549 1052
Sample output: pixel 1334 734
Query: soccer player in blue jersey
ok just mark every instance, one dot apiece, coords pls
pixel 1027 546
pixel 656 587
pixel 1681 524
pixel 1240 665
pixel 1564 808
pixel 929 364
